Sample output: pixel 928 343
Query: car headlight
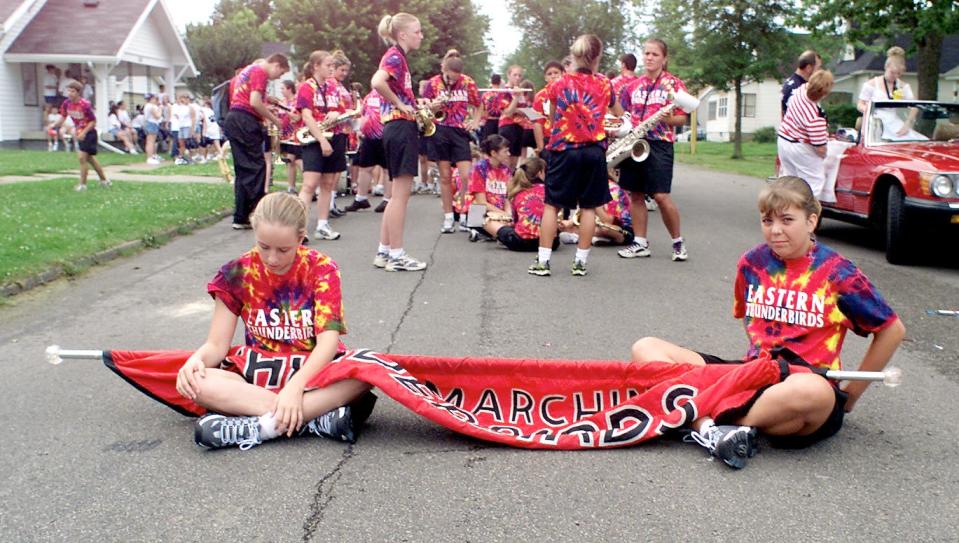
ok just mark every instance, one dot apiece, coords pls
pixel 941 186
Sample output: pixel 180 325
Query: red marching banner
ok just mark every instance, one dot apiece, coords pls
pixel 528 403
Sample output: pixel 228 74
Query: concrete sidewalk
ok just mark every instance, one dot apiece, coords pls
pixel 117 172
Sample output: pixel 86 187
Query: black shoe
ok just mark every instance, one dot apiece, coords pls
pixel 336 212
pixel 358 205
pixel 213 431
pixel 382 207
pixel 731 444
pixel 336 424
pixel 242 226
pixel 362 408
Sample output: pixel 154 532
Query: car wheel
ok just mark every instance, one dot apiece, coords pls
pixel 898 250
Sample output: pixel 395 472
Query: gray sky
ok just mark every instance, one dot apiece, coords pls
pixel 502 39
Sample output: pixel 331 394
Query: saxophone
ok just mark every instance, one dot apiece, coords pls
pixel 305 137
pixel 634 145
pixel 426 118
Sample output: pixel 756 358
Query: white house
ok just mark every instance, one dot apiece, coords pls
pixel 122 46
pixel 717 110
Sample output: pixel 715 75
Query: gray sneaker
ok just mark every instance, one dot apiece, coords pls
pixel 634 250
pixel 734 445
pixel 405 263
pixel 336 424
pixel 679 251
pixel 325 232
pixel 214 431
pixel 579 268
pixel 381 259
pixel 539 268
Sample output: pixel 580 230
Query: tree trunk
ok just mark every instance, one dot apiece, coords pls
pixel 738 132
pixel 927 66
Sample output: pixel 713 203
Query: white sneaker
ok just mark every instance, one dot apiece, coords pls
pixel 651 204
pixel 568 238
pixel 153 160
pixel 381 259
pixel 80 188
pixel 405 263
pixel 325 232
pixel 679 251
pixel 447 227
pixel 634 250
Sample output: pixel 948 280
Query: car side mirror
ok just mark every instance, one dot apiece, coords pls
pixel 847 134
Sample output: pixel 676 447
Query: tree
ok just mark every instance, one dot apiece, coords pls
pixel 218 47
pixel 351 26
pixel 549 28
pixel 730 44
pixel 927 22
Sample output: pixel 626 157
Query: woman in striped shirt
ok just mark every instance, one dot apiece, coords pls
pixel 803 132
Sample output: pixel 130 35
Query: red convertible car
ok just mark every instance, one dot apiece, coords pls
pixel 899 173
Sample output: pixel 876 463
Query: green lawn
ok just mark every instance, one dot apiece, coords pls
pixel 30 162
pixel 43 223
pixel 759 159
pixel 210 169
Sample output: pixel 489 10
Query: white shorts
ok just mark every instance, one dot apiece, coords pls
pixel 801 160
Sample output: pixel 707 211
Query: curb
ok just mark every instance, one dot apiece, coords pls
pixel 58 271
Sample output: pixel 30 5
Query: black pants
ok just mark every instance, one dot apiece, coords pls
pixel 245 133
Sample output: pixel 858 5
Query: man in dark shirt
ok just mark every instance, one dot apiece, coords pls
pixel 809 62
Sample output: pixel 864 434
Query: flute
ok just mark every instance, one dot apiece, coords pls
pixel 504 90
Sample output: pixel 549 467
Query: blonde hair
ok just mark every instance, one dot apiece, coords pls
pixel 524 175
pixel 787 191
pixel 280 209
pixel 391 25
pixel 819 85
pixel 317 57
pixel 586 51
pixel 896 57
pixel 340 59
pixel 513 68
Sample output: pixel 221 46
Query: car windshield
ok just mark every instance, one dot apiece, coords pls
pixel 914 121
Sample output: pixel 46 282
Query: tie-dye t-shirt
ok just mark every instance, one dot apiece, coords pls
pixel 491 180
pixel 372 126
pixel 282 313
pixel 541 106
pixel 400 82
pixel 493 103
pixel 621 81
pixel 580 100
pixel 618 207
pixel 461 94
pixel 80 112
pixel 506 98
pixel 252 79
pixel 806 304
pixel 338 99
pixel 643 97
pixel 312 95
pixel 528 208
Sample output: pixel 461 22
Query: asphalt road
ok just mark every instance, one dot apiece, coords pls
pixel 87 457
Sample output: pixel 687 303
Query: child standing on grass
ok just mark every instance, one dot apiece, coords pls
pixel 85 123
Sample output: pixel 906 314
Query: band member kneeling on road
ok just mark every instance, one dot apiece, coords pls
pixel 576 175
pixel 643 97
pixel 400 136
pixel 794 293
pixel 488 186
pixel 527 197
pixel 277 276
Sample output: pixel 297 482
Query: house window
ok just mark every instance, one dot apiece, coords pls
pixel 749 105
pixel 723 107
pixel 712 110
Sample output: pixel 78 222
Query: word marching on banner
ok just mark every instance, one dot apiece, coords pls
pixel 528 403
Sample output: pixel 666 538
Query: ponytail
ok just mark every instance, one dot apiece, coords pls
pixel 391 25
pixel 453 62
pixel 525 176
pixel 586 51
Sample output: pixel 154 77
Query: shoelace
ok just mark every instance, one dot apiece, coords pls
pixel 242 431
pixel 323 423
pixel 707 440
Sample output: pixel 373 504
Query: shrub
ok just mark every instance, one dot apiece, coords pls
pixel 766 134
pixel 844 114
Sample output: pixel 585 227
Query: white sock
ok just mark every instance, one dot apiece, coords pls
pixel 448 218
pixel 383 249
pixel 322 223
pixel 267 427
pixel 360 198
pixel 396 253
pixel 642 241
pixel 582 254
pixel 332 203
pixel 387 200
pixel 705 424
pixel 544 254
pixel 678 240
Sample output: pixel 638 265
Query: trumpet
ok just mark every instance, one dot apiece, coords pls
pixel 512 90
pixel 305 137
pixel 498 217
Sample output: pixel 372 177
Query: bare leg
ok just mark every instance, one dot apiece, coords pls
pixel 652 349
pixel 446 185
pixel 587 227
pixel 637 208
pixel 669 211
pixel 84 167
pixel 547 229
pixel 395 215
pixel 96 166
pixel 797 406
pixel 323 201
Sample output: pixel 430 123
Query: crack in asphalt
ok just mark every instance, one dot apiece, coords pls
pixel 324 495
pixel 409 300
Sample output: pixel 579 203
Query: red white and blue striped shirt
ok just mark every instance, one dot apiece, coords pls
pixel 803 121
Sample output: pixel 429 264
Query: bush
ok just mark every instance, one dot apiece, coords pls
pixel 844 114
pixel 766 134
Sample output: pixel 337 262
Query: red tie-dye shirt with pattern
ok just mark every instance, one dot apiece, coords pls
pixel 643 97
pixel 252 79
pixel 806 304
pixel 282 313
pixel 400 82
pixel 493 104
pixel 491 180
pixel 528 206
pixel 541 105
pixel 618 207
pixel 461 94
pixel 580 100
pixel 81 112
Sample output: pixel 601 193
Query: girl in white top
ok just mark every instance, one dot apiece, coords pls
pixel 888 87
pixel 53 136
pixel 211 130
pixel 152 118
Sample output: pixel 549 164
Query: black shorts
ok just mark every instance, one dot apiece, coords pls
pixel 828 429
pixel 511 240
pixel 292 149
pixel 651 176
pixel 401 145
pixel 423 148
pixel 449 144
pixel 88 144
pixel 577 177
pixel 514 135
pixel 314 161
pixel 529 139
pixel 370 154
pixel 490 127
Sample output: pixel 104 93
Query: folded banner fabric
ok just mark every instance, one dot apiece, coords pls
pixel 528 403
